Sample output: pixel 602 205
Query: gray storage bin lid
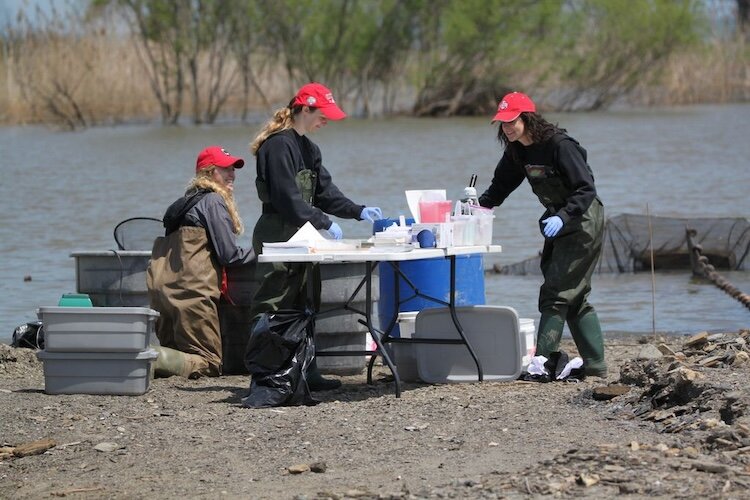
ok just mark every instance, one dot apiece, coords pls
pixel 95 310
pixel 493 333
pixel 148 354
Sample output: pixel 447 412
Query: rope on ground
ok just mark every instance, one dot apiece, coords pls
pixel 703 268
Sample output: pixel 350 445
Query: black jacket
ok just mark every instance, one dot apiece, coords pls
pixel 280 158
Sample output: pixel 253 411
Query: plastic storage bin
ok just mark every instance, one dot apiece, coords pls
pixel 75 300
pixel 403 354
pixel 528 338
pixel 98 329
pixel 493 333
pixel 113 278
pixel 115 373
pixel 435 211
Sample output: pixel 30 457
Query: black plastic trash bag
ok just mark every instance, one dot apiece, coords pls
pixel 29 335
pixel 279 350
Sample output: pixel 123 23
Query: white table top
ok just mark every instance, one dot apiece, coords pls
pixel 375 254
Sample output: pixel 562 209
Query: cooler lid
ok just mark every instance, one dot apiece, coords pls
pixel 493 333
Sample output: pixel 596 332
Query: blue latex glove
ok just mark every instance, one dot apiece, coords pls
pixel 552 226
pixel 336 231
pixel 371 214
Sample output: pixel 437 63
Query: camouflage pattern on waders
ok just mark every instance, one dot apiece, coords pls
pixel 568 262
pixel 283 285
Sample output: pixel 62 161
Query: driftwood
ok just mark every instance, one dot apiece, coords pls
pixel 34 447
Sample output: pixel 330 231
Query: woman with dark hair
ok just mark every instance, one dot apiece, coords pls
pixel 185 276
pixel 294 188
pixel 572 224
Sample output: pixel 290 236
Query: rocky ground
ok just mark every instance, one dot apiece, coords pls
pixel 670 422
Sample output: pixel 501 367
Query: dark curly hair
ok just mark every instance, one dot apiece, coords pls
pixel 536 126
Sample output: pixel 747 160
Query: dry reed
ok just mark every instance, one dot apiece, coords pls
pixel 98 78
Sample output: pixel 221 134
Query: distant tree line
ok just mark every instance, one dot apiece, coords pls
pixel 442 57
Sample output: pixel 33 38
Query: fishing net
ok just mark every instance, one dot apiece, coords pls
pixel 626 246
pixel 138 233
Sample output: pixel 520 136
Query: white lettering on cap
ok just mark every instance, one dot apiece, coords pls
pixel 225 152
pixel 503 105
pixel 329 98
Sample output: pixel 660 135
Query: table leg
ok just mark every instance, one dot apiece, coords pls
pixel 375 336
pixel 454 316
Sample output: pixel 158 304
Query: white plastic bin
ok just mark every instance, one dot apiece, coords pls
pixel 528 340
pixel 118 373
pixel 98 329
pixel 403 354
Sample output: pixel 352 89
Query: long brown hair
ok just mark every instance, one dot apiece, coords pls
pixel 536 126
pixel 204 180
pixel 282 119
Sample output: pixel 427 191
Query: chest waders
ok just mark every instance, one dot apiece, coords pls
pixel 188 324
pixel 284 285
pixel 567 263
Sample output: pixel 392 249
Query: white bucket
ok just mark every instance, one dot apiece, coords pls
pixel 403 354
pixel 527 332
pixel 407 321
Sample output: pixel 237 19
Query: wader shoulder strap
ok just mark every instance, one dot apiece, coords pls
pixel 175 214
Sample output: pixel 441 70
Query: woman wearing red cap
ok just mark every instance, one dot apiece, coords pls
pixel 296 188
pixel 572 224
pixel 185 275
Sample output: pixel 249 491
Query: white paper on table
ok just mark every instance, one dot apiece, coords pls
pixel 307 240
pixel 306 233
pixel 414 195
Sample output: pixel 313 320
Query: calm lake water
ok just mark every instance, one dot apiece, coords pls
pixel 63 192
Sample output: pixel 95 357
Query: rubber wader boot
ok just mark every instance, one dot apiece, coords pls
pixel 587 334
pixel 549 334
pixel 316 382
pixel 171 362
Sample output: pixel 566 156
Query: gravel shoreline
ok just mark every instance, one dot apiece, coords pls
pixel 678 428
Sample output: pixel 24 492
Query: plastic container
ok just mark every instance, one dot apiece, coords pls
pixel 75 300
pixel 122 373
pixel 403 354
pixel 380 224
pixel 434 211
pixel 464 229
pixel 527 330
pixel 98 329
pixel 431 277
pixel 492 332
pixel 113 278
pixel 340 329
pixel 484 220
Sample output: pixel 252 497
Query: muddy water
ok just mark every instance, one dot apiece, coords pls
pixel 61 192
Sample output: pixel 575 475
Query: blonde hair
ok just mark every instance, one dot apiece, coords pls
pixel 204 180
pixel 282 119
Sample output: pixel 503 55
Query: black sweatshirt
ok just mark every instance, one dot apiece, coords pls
pixel 570 162
pixel 280 158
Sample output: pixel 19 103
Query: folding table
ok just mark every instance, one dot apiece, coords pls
pixel 372 257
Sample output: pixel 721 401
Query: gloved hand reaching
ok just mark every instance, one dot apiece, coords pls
pixel 336 231
pixel 552 226
pixel 371 214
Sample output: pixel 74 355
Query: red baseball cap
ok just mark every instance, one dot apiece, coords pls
pixel 512 105
pixel 319 96
pixel 217 156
